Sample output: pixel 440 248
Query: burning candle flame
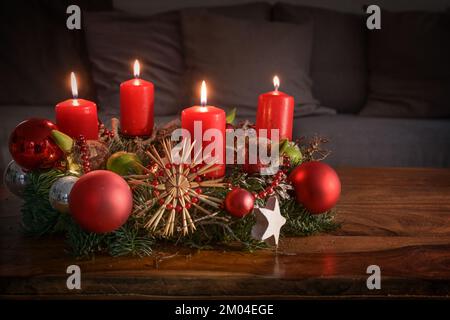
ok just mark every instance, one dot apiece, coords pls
pixel 136 68
pixel 203 94
pixel 73 84
pixel 276 82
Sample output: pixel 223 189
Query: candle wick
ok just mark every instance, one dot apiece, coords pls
pixel 276 88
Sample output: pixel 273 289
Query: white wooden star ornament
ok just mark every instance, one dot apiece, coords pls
pixel 268 221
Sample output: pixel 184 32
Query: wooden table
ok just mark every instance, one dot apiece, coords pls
pixel 398 219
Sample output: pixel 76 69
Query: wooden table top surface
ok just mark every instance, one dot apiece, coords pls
pixel 398 219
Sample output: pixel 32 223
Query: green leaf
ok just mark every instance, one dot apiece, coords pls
pixel 64 142
pixel 292 151
pixel 231 116
pixel 283 145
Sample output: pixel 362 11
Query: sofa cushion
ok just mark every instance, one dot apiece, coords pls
pixel 115 39
pixel 410 66
pixel 238 59
pixel 39 52
pixel 377 142
pixel 339 64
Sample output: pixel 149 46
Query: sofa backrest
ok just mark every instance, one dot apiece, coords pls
pixel 354 6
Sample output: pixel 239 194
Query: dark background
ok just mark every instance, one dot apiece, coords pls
pixel 150 7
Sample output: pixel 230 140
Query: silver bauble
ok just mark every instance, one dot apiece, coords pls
pixel 15 179
pixel 59 193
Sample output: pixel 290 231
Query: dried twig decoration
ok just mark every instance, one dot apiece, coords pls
pixel 313 149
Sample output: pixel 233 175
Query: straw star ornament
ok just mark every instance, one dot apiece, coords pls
pixel 177 189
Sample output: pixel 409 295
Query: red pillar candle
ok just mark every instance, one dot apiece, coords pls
pixel 211 118
pixel 77 117
pixel 136 105
pixel 276 111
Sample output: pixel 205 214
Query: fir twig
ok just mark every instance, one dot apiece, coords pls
pixel 127 240
pixel 38 217
pixel 299 222
pixel 83 244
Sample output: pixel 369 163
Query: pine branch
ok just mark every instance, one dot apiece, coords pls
pixel 83 244
pixel 127 241
pixel 299 222
pixel 38 217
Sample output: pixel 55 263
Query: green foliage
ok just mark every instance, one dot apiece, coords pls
pixel 234 235
pixel 128 241
pixel 231 116
pixel 125 241
pixel 299 222
pixel 38 217
pixel 81 243
pixel 291 150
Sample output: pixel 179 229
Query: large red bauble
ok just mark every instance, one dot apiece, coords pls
pixel 31 145
pixel 239 202
pixel 316 185
pixel 100 201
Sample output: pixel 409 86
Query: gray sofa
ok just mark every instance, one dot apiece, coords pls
pixel 355 140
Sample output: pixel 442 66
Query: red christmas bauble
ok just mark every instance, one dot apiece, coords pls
pixel 316 185
pixel 31 145
pixel 239 202
pixel 100 201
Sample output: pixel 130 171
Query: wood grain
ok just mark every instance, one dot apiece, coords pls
pixel 398 219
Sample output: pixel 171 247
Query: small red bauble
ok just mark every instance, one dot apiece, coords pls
pixel 31 145
pixel 100 201
pixel 239 202
pixel 316 185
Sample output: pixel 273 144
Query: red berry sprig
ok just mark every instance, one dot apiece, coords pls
pixel 279 177
pixel 286 162
pixel 105 133
pixel 270 189
pixel 81 142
